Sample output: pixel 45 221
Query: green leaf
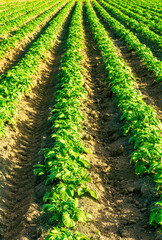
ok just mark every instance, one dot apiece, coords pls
pixel 40 170
pixel 152 217
pixel 158 178
pixel 81 215
pixel 67 220
pixel 159 218
pixel 140 168
pixel 92 193
pixel 82 190
pixel 46 196
pixel 84 162
pixel 158 203
pixel 64 196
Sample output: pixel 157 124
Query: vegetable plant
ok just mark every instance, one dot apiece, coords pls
pixel 141 121
pixel 143 52
pixel 65 164
pixel 19 79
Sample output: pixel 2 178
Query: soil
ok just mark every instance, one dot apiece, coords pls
pixel 122 211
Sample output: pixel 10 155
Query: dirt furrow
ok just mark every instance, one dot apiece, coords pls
pixel 122 209
pixel 22 192
pixel 145 80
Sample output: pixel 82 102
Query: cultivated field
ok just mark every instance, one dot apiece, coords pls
pixel 80 120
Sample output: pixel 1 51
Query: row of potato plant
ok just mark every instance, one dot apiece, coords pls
pixel 18 79
pixel 14 11
pixel 23 33
pixel 22 19
pixel 20 12
pixel 141 120
pixel 136 26
pixel 6 6
pixel 9 8
pixel 65 165
pixel 156 27
pixel 154 6
pixel 142 51
pixel 154 14
pixel 138 10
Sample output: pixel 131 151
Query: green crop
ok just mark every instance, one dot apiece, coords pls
pixel 139 27
pixel 126 10
pixel 23 32
pixel 143 52
pixel 65 164
pixel 141 120
pixel 15 11
pixel 19 78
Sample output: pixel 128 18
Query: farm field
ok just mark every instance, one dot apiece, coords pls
pixel 80 120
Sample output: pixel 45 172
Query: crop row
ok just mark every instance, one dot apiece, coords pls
pixel 151 16
pixel 151 24
pixel 6 6
pixel 13 4
pixel 19 78
pixel 21 20
pixel 9 7
pixel 65 164
pixel 26 30
pixel 11 13
pixel 140 119
pixel 143 52
pixel 154 7
pixel 135 25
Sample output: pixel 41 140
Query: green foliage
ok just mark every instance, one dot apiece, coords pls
pixel 13 11
pixel 65 165
pixel 143 52
pixel 141 120
pixel 135 25
pixel 156 214
pixel 24 31
pixel 18 79
pixel 137 15
pixel 16 19
pixel 65 234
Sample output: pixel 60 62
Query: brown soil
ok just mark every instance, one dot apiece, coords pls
pixel 122 211
pixel 22 193
pixel 13 56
